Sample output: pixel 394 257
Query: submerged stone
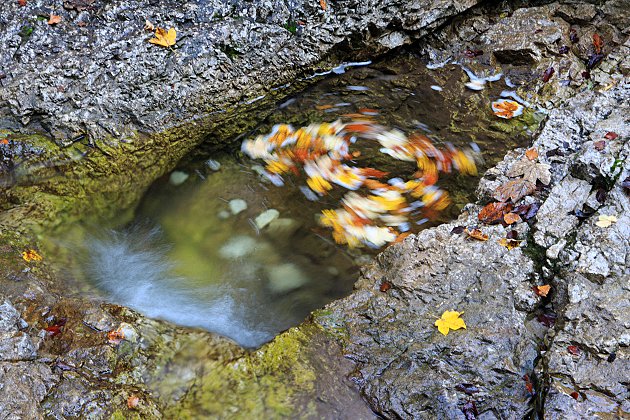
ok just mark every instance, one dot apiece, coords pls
pixel 266 217
pixel 238 247
pixel 285 278
pixel 283 228
pixel 178 178
pixel 237 205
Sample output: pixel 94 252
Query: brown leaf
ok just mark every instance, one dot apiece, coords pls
pixel 132 402
pixel 323 4
pixel 514 190
pixel 385 286
pixel 532 154
pixel 476 234
pixel 611 135
pixel 510 244
pixel 599 145
pixel 511 218
pixel 542 290
pixel 493 213
pixel 54 19
pixel 598 43
pixel 531 171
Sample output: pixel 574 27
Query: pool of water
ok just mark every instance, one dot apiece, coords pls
pixel 215 245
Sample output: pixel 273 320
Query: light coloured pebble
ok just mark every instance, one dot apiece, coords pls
pixel 238 247
pixel 213 164
pixel 224 214
pixel 437 88
pixel 286 277
pixel 178 178
pixel 237 205
pixel 266 217
pixel 283 228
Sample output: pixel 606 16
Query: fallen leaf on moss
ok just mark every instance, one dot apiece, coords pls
pixel 31 255
pixel 476 234
pixel 450 320
pixel 532 154
pixel 605 221
pixel 512 218
pixel 510 244
pixel 164 38
pixel 494 212
pixel 542 290
pixel 54 19
pixel 514 190
pixel 531 171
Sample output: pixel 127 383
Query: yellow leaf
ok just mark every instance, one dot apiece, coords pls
pixel 31 255
pixel 450 320
pixel 509 243
pixel 164 38
pixel 605 221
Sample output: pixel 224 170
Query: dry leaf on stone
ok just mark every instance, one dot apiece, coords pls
pixel 542 290
pixel 450 320
pixel 54 19
pixel 531 171
pixel 164 38
pixel 476 234
pixel 511 218
pixel 514 190
pixel 532 154
pixel 505 108
pixel 323 4
pixel 605 220
pixel 509 243
pixel 494 212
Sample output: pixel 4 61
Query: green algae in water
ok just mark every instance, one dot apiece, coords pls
pixel 202 255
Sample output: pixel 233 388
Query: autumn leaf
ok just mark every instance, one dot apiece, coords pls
pixel 529 386
pixel 450 320
pixel 512 218
pixel 115 336
pixel 605 221
pixel 31 255
pixel 148 26
pixel 514 190
pixel 22 3
pixel 598 43
pixel 164 38
pixel 542 290
pixel 611 135
pixel 54 19
pixel 504 108
pixel 323 4
pixel 532 154
pixel 323 107
pixel 385 286
pixel 574 350
pixel 510 244
pixel 531 171
pixel 132 402
pixel 494 212
pixel 476 234
pixel 4 141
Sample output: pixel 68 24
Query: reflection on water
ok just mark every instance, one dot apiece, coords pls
pixel 217 246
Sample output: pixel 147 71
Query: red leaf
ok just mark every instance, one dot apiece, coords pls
pixel 529 386
pixel 22 3
pixel 599 145
pixel 494 212
pixel 385 286
pixel 575 395
pixel 611 135
pixel 547 74
pixel 598 43
pixel 574 350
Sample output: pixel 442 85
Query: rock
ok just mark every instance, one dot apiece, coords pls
pixel 213 164
pixel 178 178
pixel 16 346
pixel 237 205
pixel 283 229
pixel 23 386
pixel 285 278
pixel 266 217
pixel 9 318
pixel 238 247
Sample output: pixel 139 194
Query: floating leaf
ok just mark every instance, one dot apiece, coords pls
pixel 510 244
pixel 476 234
pixel 531 171
pixel 511 218
pixel 505 108
pixel 164 38
pixel 514 190
pixel 54 19
pixel 494 212
pixel 542 290
pixel 532 154
pixel 450 320
pixel 605 220
pixel 31 255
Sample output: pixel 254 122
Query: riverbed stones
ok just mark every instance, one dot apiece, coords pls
pixel 266 217
pixel 285 278
pixel 177 178
pixel 238 247
pixel 237 205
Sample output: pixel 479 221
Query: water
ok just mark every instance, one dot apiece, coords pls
pixel 195 255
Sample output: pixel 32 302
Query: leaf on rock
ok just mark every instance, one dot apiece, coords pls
pixel 575 395
pixel 385 286
pixel 115 336
pixel 531 171
pixel 542 290
pixel 512 218
pixel 510 244
pixel 476 234
pixel 514 190
pixel 574 350
pixel 164 38
pixel 323 4
pixel 450 320
pixel 22 3
pixel 504 108
pixel 605 220
pixel 54 19
pixel 494 212
pixel 529 386
pixel 532 154
pixel 598 43
pixel 132 402
pixel 611 135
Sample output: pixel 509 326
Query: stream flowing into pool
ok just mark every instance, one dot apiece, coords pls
pixel 215 245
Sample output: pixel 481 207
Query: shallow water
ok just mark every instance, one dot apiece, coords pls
pixel 190 259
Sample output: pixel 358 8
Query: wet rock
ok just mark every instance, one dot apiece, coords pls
pixel 266 217
pixel 238 247
pixel 23 386
pixel 283 229
pixel 285 278
pixel 237 205
pixel 178 178
pixel 16 346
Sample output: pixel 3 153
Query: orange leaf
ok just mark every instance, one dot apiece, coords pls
pixel 476 234
pixel 323 4
pixel 4 141
pixel 116 336
pixel 514 190
pixel 511 218
pixel 22 3
pixel 323 107
pixel 598 43
pixel 31 255
pixel 542 290
pixel 132 402
pixel 505 108
pixel 163 37
pixel 54 19
pixel 532 154
pixel 494 212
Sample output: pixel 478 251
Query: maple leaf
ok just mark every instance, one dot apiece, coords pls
pixel 31 255
pixel 510 244
pixel 504 108
pixel 605 220
pixel 514 190
pixel 511 218
pixel 532 154
pixel 542 290
pixel 531 171
pixel 450 320
pixel 494 212
pixel 54 19
pixel 164 38
pixel 476 234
